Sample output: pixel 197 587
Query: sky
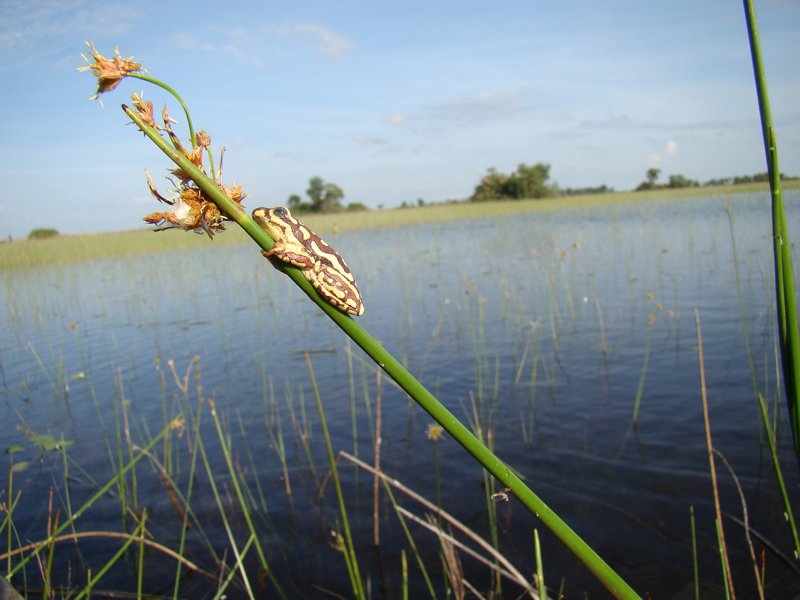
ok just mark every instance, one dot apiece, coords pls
pixel 392 101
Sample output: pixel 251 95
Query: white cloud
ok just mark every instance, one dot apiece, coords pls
pixel 395 119
pixel 31 30
pixel 670 149
pixel 328 42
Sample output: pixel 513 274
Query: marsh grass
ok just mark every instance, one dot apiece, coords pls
pixel 773 450
pixel 56 526
pixel 788 321
pixel 487 554
pixel 344 540
pixel 66 249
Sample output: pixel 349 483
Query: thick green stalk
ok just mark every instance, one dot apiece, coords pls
pixel 782 253
pixel 535 505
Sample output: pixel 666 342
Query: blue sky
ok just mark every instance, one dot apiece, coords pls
pixel 391 101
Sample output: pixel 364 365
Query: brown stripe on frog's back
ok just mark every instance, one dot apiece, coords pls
pixel 330 256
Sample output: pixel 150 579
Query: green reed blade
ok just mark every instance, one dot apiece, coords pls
pixel 542 588
pixel 788 513
pixel 93 579
pixel 696 576
pixel 782 254
pixel 347 546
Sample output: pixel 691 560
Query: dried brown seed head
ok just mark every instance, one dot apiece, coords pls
pixel 109 71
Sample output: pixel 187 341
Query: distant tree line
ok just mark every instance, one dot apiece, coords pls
pixel 323 197
pixel 599 189
pixel 675 181
pixel 757 178
pixel 528 181
pixel 679 181
pixel 42 233
pixel 531 181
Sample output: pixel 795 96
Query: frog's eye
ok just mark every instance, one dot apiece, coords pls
pixel 280 211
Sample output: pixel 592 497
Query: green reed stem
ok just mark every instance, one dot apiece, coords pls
pixel 349 550
pixel 261 497
pixel 174 93
pixel 695 570
pixel 787 505
pixel 643 373
pixel 51 551
pixel 535 505
pixel 87 591
pixel 11 503
pixel 234 570
pixel 226 452
pixel 726 577
pixel 404 571
pixel 410 538
pixel 223 513
pixel 140 561
pixel 541 587
pixel 782 252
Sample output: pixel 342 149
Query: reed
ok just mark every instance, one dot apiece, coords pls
pixel 262 501
pixel 723 548
pixel 93 579
pixel 224 516
pixel 486 553
pixel 651 319
pixel 695 571
pixel 237 486
pixel 387 486
pixel 540 586
pixel 782 248
pixel 186 511
pixel 344 542
pixel 274 427
pixel 773 450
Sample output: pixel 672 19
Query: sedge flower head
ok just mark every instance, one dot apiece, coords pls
pixel 109 71
pixel 190 208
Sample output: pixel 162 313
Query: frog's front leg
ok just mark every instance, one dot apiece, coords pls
pixel 283 253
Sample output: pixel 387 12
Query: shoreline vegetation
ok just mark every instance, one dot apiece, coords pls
pixel 63 249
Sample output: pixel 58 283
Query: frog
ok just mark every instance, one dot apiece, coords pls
pixel 297 245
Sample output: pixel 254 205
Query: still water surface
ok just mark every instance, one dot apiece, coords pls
pixel 544 327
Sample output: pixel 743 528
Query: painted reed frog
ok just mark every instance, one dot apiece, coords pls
pixel 297 245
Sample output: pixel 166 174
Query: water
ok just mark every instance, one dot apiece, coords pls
pixel 539 325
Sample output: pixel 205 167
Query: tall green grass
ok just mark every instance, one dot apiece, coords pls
pixel 782 249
